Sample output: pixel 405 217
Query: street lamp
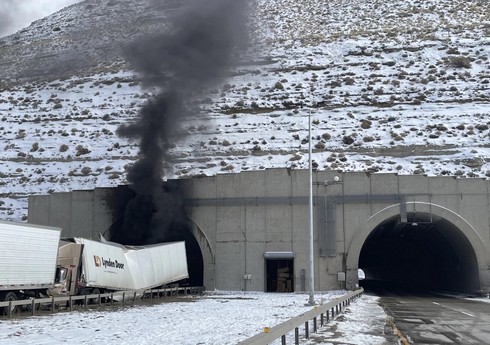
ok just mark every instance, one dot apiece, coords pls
pixel 336 180
pixel 311 300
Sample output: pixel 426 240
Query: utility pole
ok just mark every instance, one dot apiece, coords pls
pixel 311 271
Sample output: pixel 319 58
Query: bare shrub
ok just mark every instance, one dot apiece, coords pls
pixel 460 62
pixel 366 124
pixel 279 86
pixel 349 81
pixel 348 140
pixel 86 170
pixel 326 136
pixel 81 150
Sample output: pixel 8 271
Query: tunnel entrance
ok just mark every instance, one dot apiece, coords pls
pixel 425 253
pixel 195 263
pixel 178 228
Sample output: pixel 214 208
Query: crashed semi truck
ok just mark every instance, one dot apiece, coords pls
pixel 91 267
pixel 36 262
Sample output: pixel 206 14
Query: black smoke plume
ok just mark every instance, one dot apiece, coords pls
pixel 198 51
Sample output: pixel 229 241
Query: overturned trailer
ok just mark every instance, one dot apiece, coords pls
pixel 91 267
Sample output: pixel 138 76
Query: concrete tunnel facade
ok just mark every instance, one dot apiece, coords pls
pixel 250 229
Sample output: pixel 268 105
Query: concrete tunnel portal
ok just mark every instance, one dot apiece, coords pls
pixel 425 253
pixel 412 231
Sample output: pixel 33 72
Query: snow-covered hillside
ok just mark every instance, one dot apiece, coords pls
pixel 393 86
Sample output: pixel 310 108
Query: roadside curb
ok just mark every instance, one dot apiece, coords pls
pixel 402 339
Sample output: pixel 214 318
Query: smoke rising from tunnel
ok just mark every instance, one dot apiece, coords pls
pixel 197 52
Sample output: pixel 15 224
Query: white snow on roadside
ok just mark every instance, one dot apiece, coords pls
pixel 216 318
pixel 482 300
pixel 361 323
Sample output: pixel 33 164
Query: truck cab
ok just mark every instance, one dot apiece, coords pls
pixel 67 280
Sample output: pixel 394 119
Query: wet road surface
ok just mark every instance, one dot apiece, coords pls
pixel 432 319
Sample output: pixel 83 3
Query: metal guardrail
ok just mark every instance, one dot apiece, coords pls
pixel 67 303
pixel 326 312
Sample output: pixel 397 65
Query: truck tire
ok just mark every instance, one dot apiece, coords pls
pixel 6 297
pixel 28 307
pixel 95 300
pixel 83 292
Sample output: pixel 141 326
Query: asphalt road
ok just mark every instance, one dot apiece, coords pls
pixel 426 319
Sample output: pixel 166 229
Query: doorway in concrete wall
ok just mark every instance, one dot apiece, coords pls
pixel 424 253
pixel 279 275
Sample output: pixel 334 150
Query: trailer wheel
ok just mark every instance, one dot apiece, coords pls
pixel 7 297
pixel 28 307
pixel 83 292
pixel 95 300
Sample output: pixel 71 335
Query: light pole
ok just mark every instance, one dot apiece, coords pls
pixel 311 274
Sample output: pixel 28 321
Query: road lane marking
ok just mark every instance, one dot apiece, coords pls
pixel 459 311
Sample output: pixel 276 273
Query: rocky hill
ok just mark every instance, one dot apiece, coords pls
pixel 390 87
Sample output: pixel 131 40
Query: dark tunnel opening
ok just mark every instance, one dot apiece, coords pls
pixel 195 263
pixel 177 231
pixel 426 253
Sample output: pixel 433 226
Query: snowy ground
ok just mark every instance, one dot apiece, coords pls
pixel 217 318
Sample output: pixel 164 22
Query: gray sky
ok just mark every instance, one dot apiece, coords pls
pixel 17 14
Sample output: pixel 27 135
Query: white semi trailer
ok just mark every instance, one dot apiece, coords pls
pixel 28 255
pixel 35 262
